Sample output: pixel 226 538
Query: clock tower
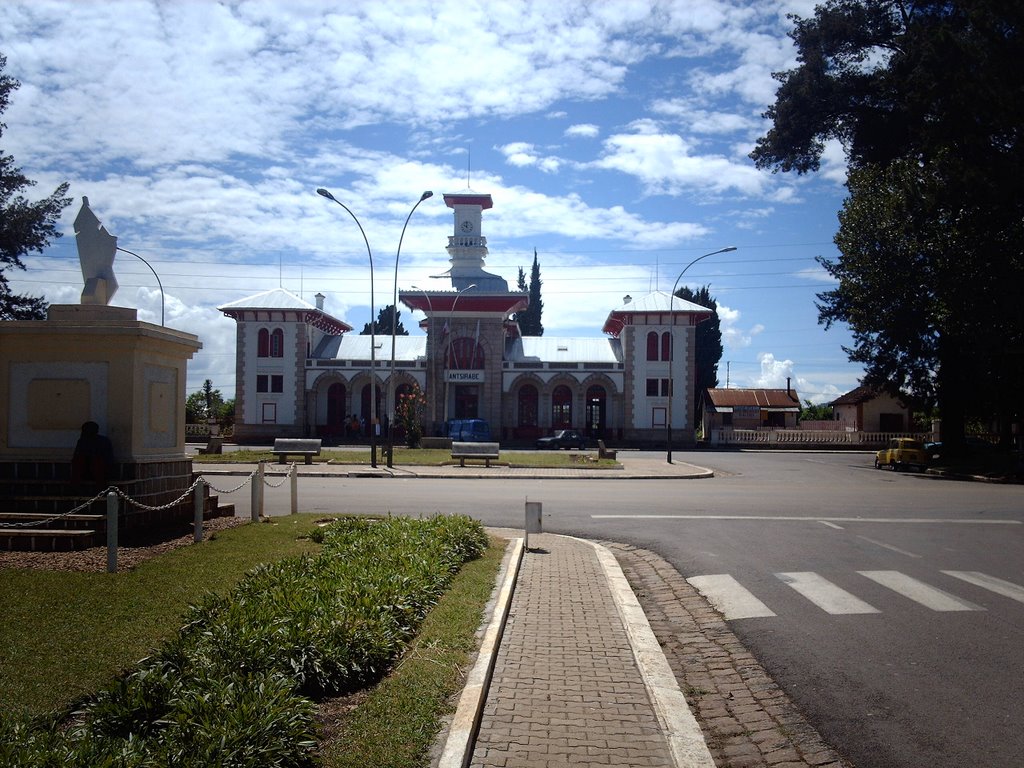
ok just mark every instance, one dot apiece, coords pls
pixel 467 247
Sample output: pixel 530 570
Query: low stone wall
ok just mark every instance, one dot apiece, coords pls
pixel 807 438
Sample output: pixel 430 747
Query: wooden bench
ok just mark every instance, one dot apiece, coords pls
pixel 307 448
pixel 604 453
pixel 485 451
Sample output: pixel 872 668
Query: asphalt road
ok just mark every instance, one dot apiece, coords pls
pixel 889 606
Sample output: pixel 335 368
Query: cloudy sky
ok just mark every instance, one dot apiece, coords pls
pixel 613 136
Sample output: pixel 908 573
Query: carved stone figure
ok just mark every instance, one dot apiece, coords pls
pixel 96 251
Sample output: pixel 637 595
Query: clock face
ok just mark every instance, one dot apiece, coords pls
pixel 467 226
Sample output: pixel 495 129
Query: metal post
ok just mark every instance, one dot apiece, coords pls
pixel 254 497
pixel 260 472
pixel 533 521
pixel 295 490
pixel 197 520
pixel 111 532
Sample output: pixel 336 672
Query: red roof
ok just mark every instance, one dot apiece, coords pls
pixel 468 198
pixel 761 398
pixel 448 301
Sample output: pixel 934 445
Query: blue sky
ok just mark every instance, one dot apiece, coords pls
pixel 613 137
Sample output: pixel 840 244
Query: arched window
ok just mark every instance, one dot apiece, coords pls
pixel 263 343
pixel 465 354
pixel 652 346
pixel 666 346
pixel 277 343
pixel 528 406
pixel 561 407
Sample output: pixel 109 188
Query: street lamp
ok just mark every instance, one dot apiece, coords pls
pixel 430 358
pixel 394 323
pixel 373 342
pixel 130 253
pixel 672 348
pixel 471 285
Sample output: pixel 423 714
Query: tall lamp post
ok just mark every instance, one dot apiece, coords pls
pixel 130 253
pixel 456 301
pixel 373 341
pixel 394 323
pixel 672 348
pixel 430 359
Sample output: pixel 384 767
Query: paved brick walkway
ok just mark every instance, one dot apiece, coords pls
pixel 566 688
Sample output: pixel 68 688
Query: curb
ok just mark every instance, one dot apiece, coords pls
pixel 685 738
pixel 458 748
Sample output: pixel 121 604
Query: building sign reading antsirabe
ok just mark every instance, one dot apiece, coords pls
pixel 465 377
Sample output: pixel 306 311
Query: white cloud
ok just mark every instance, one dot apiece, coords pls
pixel 734 336
pixel 583 130
pixel 666 164
pixel 773 372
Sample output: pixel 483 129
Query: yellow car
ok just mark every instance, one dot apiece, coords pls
pixel 902 452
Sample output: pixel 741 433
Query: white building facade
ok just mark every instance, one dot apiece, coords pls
pixel 300 372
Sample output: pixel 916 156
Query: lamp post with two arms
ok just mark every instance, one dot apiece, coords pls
pixel 672 347
pixel 373 340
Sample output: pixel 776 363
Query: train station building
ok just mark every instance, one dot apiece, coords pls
pixel 301 372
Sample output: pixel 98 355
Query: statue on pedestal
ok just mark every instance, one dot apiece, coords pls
pixel 96 251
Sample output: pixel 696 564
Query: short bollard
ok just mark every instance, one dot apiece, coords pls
pixel 197 518
pixel 533 524
pixel 111 532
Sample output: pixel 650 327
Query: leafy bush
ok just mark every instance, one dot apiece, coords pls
pixel 234 687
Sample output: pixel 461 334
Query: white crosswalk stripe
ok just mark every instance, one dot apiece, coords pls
pixel 991 583
pixel 919 592
pixel 729 597
pixel 734 601
pixel 824 594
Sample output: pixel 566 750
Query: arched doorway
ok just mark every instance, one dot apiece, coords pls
pixel 527 412
pixel 334 429
pixel 597 400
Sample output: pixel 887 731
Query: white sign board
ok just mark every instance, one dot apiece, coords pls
pixel 465 377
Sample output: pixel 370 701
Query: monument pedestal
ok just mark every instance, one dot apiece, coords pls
pixel 92 363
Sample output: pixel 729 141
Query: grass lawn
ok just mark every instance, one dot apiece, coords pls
pixel 420 457
pixel 66 634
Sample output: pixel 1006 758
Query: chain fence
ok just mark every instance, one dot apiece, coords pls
pixel 83 507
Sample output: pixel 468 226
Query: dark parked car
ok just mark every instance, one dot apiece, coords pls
pixel 563 438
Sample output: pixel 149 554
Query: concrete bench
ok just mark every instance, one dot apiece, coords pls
pixel 307 448
pixel 485 451
pixel 604 453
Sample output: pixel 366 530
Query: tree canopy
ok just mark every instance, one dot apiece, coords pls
pixel 707 344
pixel 382 325
pixel 927 101
pixel 25 227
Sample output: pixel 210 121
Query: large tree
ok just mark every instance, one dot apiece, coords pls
pixel 707 345
pixel 530 318
pixel 25 227
pixel 382 325
pixel 927 101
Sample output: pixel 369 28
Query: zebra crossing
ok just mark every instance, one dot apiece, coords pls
pixel 735 601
